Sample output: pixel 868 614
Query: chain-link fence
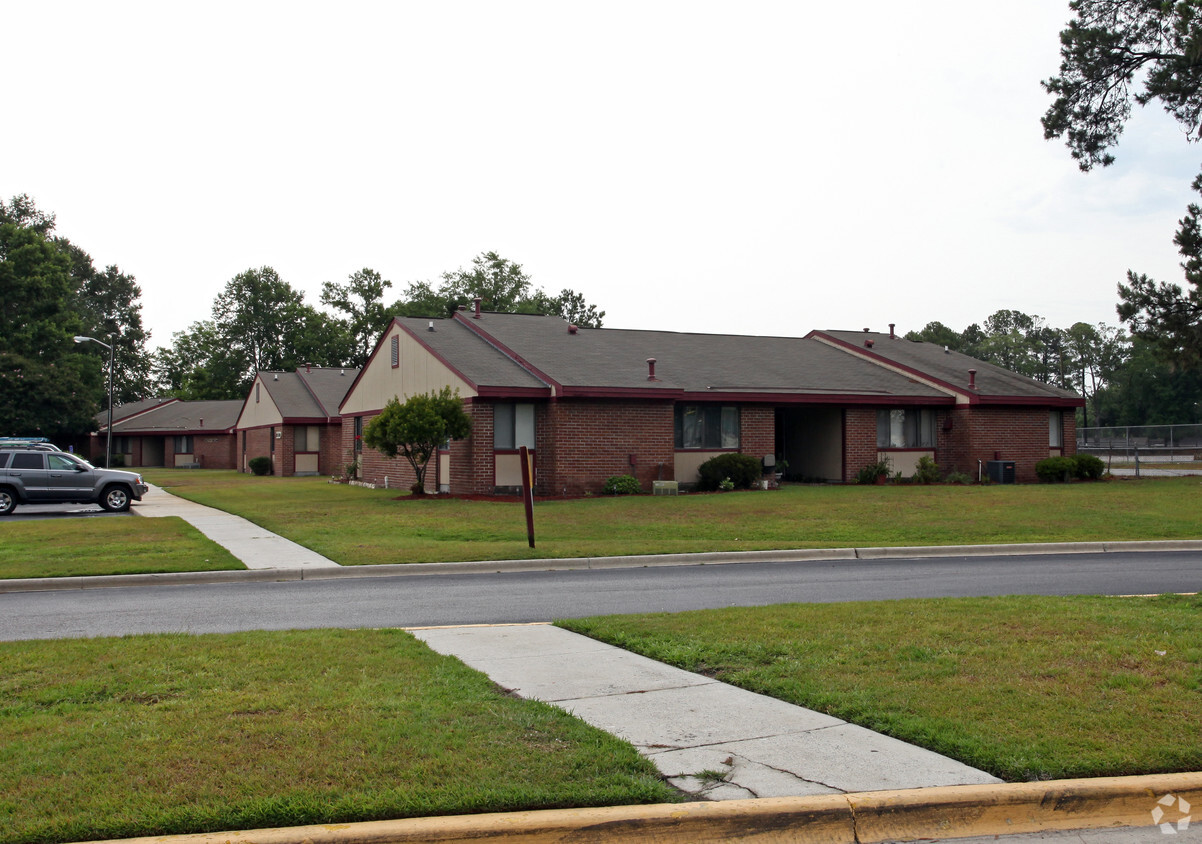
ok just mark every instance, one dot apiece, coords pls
pixel 1143 444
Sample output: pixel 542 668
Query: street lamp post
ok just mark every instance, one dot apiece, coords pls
pixel 108 449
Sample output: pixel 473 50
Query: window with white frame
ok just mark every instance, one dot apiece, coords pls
pixel 909 427
pixel 706 426
pixel 513 426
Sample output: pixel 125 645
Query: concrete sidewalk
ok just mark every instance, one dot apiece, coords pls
pixel 256 547
pixel 747 745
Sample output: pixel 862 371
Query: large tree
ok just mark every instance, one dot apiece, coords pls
pixel 360 302
pixel 502 285
pixel 1116 53
pixel 48 385
pixel 104 305
pixel 260 322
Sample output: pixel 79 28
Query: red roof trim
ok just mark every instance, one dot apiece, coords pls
pixel 514 392
pixel 877 399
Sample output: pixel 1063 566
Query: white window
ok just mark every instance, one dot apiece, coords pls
pixel 1055 429
pixel 513 426
pixel 905 428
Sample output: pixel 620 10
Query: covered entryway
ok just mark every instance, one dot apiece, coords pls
pixel 811 440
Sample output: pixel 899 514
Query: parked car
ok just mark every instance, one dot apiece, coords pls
pixel 33 476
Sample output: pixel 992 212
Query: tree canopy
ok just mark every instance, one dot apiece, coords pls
pixel 1115 53
pixel 50 291
pixel 502 285
pixel 259 322
pixel 416 428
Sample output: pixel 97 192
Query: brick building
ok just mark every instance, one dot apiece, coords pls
pixel 292 418
pixel 171 433
pixel 593 403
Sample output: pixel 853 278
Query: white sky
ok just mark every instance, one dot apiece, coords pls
pixel 753 167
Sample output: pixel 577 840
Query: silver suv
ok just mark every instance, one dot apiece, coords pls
pixel 29 476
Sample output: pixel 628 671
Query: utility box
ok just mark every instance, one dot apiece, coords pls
pixel 1000 471
pixel 665 487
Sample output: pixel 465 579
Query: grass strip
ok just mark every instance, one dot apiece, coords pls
pixel 1027 688
pixel 157 735
pixel 359 526
pixel 119 545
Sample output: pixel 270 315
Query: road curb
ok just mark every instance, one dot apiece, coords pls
pixel 711 558
pixel 864 818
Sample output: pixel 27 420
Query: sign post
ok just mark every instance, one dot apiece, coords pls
pixel 528 493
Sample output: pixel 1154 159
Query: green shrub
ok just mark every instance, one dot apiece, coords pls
pixel 622 485
pixel 1055 470
pixel 1087 467
pixel 926 472
pixel 742 470
pixel 958 478
pixel 872 471
pixel 260 465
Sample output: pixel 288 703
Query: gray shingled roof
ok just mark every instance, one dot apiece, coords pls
pixel 594 360
pixel 992 382
pixel 183 417
pixel 471 356
pixel 308 394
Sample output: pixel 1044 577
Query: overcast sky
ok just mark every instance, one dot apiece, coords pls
pixel 752 167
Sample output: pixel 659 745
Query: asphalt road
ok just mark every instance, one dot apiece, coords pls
pixel 417 601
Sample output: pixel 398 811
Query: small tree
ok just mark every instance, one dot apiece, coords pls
pixel 417 427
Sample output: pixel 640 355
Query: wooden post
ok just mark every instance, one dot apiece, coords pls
pixel 528 493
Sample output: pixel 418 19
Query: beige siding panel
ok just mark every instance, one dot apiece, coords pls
pixel 419 372
pixel 905 462
pixel 687 463
pixel 260 413
pixel 182 460
pixel 444 471
pixel 509 469
pixel 306 464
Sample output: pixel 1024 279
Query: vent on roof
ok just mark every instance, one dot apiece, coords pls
pixel 275 377
pixel 430 327
pixel 651 369
pixel 891 335
pixel 477 300
pixel 972 379
pixel 868 344
pixel 572 329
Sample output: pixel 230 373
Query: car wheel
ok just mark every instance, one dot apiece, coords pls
pixel 8 502
pixel 115 499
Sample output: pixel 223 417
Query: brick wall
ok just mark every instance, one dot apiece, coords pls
pixel 472 468
pixel 582 442
pixel 258 444
pixel 859 440
pixel 1006 433
pixel 757 430
pixel 331 459
pixel 215 451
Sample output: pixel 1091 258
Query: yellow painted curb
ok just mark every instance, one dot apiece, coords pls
pixel 866 818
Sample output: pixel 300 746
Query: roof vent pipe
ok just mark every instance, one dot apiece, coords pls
pixel 972 379
pixel 868 344
pixel 430 327
pixel 572 329
pixel 202 421
pixel 463 307
pixel 308 368
pixel 891 335
pixel 477 300
pixel 651 369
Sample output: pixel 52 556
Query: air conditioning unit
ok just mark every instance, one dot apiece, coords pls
pixel 1000 471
